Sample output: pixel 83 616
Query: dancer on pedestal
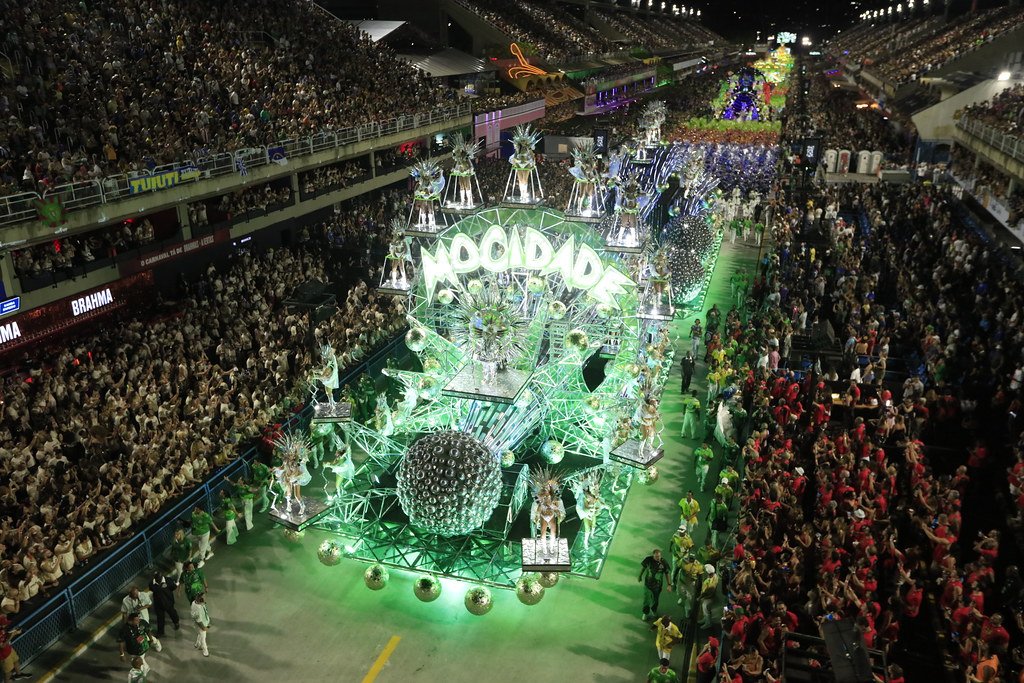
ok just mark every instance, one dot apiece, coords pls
pixel 587 491
pixel 524 168
pixel 429 184
pixel 586 198
pixel 292 474
pixel 547 511
pixel 464 193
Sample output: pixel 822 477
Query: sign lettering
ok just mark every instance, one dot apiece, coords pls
pixel 579 265
pixel 90 302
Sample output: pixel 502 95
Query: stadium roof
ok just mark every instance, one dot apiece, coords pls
pixel 377 30
pixel 448 62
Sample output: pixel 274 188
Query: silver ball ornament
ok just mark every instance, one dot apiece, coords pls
pixel 479 601
pixel 529 590
pixel 553 451
pixel 329 553
pixel 548 579
pixel 376 577
pixel 427 588
pixel 557 310
pixel 474 286
pixel 416 339
pixel 577 340
pixel 294 536
pixel 445 296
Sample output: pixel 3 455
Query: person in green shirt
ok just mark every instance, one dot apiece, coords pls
pixel 181 551
pixel 193 581
pixel 718 519
pixel 662 674
pixel 260 482
pixel 689 508
pixel 227 507
pixel 202 523
pixel 244 491
pixel 702 458
pixel 691 415
pixel 136 638
pixel 728 480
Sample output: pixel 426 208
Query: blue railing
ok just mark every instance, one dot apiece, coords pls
pixel 66 610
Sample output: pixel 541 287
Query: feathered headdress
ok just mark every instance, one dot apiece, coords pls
pixel 293 445
pixel 460 146
pixel 525 135
pixel 583 152
pixel 543 478
pixel 425 168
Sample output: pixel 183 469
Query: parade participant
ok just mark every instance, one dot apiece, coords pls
pixel 686 367
pixel 136 602
pixel 718 519
pixel 702 459
pixel 691 416
pixel 260 484
pixel 193 581
pixel 202 523
pixel 181 551
pixel 661 673
pixel 139 673
pixel 690 508
pixel 136 638
pixel 668 637
pixel 708 593
pixel 653 572
pixel 201 616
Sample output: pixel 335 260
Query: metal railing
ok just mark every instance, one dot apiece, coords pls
pixel 65 611
pixel 1011 145
pixel 86 193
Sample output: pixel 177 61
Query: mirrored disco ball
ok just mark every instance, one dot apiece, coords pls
pixel 448 483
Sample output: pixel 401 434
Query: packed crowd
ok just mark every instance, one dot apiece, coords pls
pixel 873 40
pixel 260 199
pixel 331 177
pixel 956 39
pixel 666 32
pixel 843 513
pixel 1004 112
pixel 985 179
pixel 69 255
pixel 538 31
pixel 119 88
pixel 98 437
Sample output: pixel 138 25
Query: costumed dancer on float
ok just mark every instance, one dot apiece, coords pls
pixel 462 194
pixel 342 468
pixel 328 376
pixel 585 199
pixel 627 209
pixel 653 118
pixel 649 421
pixel 587 491
pixel 661 279
pixel 292 474
pixel 399 257
pixel 429 184
pixel 547 511
pixel 524 167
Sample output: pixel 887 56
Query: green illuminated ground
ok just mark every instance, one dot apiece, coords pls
pixel 279 615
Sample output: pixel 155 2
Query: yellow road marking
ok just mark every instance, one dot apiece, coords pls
pixel 385 654
pixel 77 652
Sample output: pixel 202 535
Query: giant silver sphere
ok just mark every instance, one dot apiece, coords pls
pixel 577 340
pixel 479 601
pixel 649 476
pixel 449 483
pixel 427 588
pixel 376 577
pixel 416 339
pixel 528 590
pixel 547 579
pixel 293 535
pixel 329 553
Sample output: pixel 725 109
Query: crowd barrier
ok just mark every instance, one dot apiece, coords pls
pixel 1010 145
pixel 109 573
pixel 86 193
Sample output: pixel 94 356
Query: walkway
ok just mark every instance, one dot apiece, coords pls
pixel 279 615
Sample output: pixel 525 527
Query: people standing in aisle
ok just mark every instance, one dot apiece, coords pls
pixel 136 638
pixel 686 367
pixel 181 551
pixel 202 524
pixel 668 637
pixel 718 518
pixel 201 617
pixel 162 590
pixel 136 602
pixel 691 415
pixel 653 572
pixel 247 494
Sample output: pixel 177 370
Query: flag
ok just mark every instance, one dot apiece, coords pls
pixel 277 155
pixel 240 167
